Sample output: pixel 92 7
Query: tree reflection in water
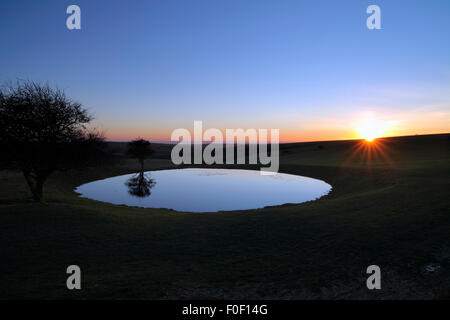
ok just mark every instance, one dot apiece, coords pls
pixel 140 185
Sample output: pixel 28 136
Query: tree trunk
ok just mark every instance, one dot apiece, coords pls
pixel 32 185
pixel 36 185
pixel 40 188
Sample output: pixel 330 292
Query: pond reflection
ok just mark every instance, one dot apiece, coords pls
pixel 140 185
pixel 204 190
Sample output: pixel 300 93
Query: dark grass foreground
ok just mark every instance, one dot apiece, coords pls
pixel 389 206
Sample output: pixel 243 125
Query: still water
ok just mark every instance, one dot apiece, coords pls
pixel 204 190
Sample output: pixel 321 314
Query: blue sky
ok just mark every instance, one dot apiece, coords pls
pixel 309 68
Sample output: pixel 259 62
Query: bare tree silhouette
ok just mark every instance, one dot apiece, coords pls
pixel 43 131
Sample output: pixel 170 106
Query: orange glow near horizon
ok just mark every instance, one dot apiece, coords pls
pixel 367 126
pixel 164 137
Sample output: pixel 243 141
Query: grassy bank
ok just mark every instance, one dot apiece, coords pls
pixel 390 206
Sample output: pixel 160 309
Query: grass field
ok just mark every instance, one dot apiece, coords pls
pixel 389 206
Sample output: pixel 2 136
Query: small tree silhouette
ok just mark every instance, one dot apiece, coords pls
pixel 42 130
pixel 140 149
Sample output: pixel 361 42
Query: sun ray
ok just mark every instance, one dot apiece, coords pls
pixel 370 153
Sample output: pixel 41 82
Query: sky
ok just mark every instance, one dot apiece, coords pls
pixel 311 69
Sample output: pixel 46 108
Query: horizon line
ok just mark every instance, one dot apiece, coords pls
pixel 284 142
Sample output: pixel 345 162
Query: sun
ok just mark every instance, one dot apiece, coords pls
pixel 370 129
